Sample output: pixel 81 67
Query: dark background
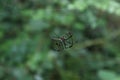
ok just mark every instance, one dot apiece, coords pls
pixel 26 28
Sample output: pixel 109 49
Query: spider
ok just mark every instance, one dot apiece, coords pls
pixel 63 42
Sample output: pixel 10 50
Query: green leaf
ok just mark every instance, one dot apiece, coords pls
pixel 79 26
pixel 108 75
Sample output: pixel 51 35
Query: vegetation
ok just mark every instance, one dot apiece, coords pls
pixel 26 28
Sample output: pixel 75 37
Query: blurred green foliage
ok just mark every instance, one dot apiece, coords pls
pixel 26 27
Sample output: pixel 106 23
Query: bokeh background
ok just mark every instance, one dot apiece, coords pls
pixel 26 29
